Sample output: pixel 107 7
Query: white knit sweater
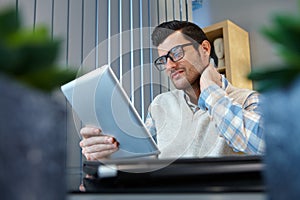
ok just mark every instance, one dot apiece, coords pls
pixel 182 133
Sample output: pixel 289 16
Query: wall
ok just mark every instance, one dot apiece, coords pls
pixel 251 15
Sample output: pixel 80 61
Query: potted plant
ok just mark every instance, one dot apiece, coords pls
pixel 32 126
pixel 280 88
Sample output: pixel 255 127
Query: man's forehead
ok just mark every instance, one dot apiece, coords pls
pixel 172 40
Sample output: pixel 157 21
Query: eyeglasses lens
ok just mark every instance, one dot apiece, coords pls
pixel 161 61
pixel 176 53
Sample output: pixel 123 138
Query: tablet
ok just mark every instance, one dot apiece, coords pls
pixel 99 101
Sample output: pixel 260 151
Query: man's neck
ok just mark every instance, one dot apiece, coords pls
pixel 193 93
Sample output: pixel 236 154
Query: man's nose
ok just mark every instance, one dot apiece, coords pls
pixel 170 63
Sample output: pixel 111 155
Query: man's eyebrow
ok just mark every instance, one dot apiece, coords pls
pixel 170 48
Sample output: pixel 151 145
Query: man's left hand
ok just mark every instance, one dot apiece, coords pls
pixel 210 76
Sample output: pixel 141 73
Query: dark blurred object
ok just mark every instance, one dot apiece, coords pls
pixel 280 85
pixel 32 126
pixel 32 145
pixel 281 111
pixel 223 174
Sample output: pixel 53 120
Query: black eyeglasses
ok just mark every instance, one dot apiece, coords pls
pixel 175 54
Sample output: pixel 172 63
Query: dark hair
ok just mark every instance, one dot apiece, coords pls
pixel 190 31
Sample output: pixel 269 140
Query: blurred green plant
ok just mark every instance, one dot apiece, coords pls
pixel 285 34
pixel 29 56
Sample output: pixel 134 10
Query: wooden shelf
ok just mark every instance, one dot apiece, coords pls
pixel 222 70
pixel 236 51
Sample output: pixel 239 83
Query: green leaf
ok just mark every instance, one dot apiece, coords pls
pixel 285 32
pixel 28 36
pixel 292 58
pixel 36 57
pixel 8 59
pixel 29 56
pixel 272 78
pixel 9 23
pixel 48 79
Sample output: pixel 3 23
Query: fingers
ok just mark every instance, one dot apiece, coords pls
pixel 101 139
pixel 99 147
pixel 209 77
pixel 82 188
pixel 95 145
pixel 99 151
pixel 99 155
pixel 87 132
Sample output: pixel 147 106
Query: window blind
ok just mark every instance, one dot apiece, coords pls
pixel 98 32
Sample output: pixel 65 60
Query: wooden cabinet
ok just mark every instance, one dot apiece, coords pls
pixel 236 51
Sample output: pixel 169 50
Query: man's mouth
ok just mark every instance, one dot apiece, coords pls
pixel 176 74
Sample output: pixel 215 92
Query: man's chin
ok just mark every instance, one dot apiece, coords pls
pixel 180 84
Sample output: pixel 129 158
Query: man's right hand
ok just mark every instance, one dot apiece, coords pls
pixel 95 145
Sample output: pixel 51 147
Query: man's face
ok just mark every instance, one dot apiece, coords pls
pixel 185 72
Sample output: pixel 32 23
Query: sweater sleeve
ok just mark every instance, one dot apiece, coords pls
pixel 240 125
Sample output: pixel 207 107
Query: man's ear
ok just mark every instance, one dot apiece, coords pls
pixel 205 48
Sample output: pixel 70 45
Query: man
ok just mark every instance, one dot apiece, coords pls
pixel 204 116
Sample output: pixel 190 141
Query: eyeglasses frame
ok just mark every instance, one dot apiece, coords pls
pixel 168 55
